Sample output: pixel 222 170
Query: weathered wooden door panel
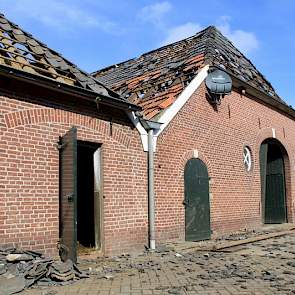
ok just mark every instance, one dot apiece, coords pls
pixel 263 164
pixel 274 203
pixel 68 195
pixel 197 205
pixel 97 197
pixel 275 209
pixel 272 183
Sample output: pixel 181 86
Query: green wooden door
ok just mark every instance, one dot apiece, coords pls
pixel 68 195
pixel 272 183
pixel 197 204
pixel 275 209
pixel 263 165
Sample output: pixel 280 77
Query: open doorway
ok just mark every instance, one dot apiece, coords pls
pixel 79 196
pixel 88 196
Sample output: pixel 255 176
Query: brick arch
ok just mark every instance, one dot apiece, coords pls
pixel 265 134
pixel 46 115
pixel 189 155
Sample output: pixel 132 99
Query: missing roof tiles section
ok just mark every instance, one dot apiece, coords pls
pixel 20 51
pixel 155 79
pixel 223 52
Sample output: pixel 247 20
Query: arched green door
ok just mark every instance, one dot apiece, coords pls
pixel 273 182
pixel 197 204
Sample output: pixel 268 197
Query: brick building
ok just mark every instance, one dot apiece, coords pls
pixel 222 162
pixel 73 152
pixel 43 96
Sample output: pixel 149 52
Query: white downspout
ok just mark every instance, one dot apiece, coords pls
pixel 149 132
pixel 151 192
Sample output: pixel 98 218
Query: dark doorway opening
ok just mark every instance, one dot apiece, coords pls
pixel 273 184
pixel 88 201
pixel 79 195
pixel 196 201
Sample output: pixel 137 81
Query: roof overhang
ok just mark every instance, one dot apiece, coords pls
pixel 67 89
pixel 260 95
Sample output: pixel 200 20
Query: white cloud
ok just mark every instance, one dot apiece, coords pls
pixel 154 13
pixel 245 41
pixel 59 14
pixel 181 32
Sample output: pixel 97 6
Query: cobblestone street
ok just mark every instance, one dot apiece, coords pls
pixel 264 267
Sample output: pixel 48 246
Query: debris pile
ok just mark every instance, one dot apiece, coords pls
pixel 20 269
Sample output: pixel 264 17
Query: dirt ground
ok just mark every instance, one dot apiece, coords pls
pixel 262 267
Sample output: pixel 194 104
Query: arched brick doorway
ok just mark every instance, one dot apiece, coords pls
pixel 273 158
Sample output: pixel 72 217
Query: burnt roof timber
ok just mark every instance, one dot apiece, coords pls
pixel 135 78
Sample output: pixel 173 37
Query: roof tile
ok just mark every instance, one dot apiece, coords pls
pixel 19 50
pixel 155 79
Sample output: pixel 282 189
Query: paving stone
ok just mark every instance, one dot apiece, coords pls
pixel 248 270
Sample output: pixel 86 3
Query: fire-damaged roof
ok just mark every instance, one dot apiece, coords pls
pixel 21 52
pixel 155 79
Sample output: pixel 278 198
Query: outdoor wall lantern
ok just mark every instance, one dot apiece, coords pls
pixel 218 84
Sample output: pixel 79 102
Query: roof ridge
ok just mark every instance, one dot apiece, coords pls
pixel 150 81
pixel 197 34
pixel 208 54
pixel 218 32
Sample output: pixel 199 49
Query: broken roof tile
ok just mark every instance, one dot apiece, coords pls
pixel 19 50
pixel 166 103
pixel 179 62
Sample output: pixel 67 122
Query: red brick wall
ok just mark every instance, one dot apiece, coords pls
pixel 29 175
pixel 29 170
pixel 219 137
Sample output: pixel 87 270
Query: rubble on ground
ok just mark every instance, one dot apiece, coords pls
pixel 20 269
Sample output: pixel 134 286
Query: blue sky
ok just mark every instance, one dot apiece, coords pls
pixel 95 33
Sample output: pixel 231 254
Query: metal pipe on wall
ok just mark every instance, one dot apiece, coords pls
pixel 150 127
pixel 151 193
